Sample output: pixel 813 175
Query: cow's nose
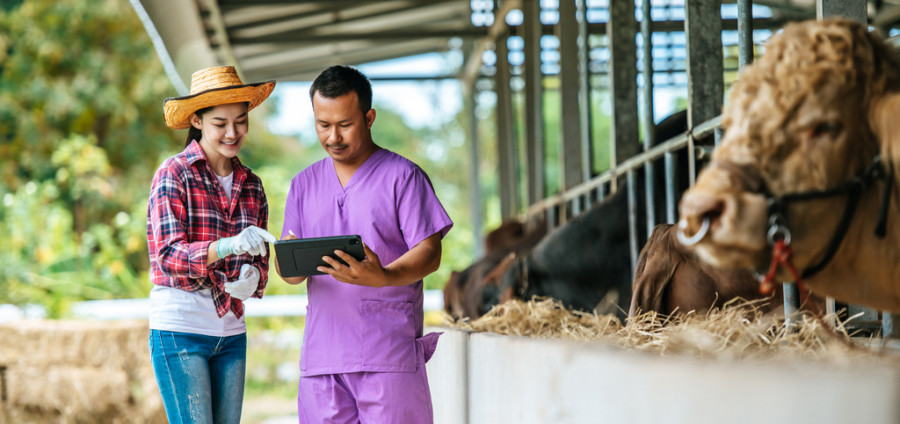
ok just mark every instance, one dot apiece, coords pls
pixel 699 212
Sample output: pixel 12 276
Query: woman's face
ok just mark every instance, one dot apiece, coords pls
pixel 224 128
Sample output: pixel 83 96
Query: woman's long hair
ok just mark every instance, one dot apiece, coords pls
pixel 193 132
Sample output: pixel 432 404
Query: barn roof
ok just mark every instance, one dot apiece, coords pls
pixel 294 40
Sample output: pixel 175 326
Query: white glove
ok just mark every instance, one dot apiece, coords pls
pixel 244 287
pixel 251 240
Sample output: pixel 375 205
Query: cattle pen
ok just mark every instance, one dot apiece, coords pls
pixel 497 378
pixel 621 58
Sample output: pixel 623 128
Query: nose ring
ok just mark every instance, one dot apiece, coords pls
pixel 694 239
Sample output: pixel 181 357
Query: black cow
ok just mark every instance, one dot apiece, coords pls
pixel 584 261
pixel 579 263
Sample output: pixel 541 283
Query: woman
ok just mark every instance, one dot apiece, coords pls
pixel 206 230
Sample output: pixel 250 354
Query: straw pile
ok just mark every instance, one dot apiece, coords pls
pixel 737 331
pixel 77 372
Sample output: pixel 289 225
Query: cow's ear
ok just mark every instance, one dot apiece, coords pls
pixel 886 125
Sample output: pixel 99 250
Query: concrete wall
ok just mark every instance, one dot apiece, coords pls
pixel 487 378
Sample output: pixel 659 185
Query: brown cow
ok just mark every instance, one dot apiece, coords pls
pixel 803 127
pixel 668 278
pixel 474 290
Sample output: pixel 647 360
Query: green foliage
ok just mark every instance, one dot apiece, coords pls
pixel 82 134
pixel 81 130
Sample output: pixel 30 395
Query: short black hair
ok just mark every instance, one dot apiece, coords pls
pixel 339 80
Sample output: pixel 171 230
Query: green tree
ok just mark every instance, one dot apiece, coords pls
pixel 80 135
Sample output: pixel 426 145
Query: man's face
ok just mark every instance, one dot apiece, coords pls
pixel 343 129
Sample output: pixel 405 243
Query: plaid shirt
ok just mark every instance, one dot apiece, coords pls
pixel 187 211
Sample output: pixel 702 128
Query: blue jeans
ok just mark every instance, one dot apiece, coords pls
pixel 201 378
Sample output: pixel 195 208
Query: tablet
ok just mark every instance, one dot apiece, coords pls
pixel 301 257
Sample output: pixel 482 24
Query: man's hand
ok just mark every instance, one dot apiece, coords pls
pixel 289 280
pixel 244 287
pixel 367 272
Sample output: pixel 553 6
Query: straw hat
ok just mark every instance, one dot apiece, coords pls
pixel 212 87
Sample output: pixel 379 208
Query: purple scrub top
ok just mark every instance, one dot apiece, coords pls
pixel 391 204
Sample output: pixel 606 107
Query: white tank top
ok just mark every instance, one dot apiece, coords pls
pixel 182 311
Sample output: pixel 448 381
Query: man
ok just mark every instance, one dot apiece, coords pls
pixel 363 356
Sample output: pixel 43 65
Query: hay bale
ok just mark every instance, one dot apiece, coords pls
pixel 76 343
pixel 80 392
pixel 78 371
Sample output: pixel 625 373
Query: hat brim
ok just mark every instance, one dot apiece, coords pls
pixel 178 110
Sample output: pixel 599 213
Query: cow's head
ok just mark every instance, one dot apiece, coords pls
pixel 807 116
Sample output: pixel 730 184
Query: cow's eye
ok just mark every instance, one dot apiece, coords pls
pixel 826 128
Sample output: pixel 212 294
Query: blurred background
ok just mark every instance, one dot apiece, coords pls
pixel 82 132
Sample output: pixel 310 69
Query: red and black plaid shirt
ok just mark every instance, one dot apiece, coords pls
pixel 188 210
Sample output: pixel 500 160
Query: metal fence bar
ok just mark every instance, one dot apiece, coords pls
pixel 745 32
pixel 853 9
pixel 474 177
pixel 632 218
pixel 534 100
pixel 506 144
pixel 647 95
pixel 573 157
pixel 671 207
pixel 703 130
pixel 703 32
pixel 621 31
pixel 649 194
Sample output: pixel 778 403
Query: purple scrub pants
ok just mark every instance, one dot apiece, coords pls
pixel 370 397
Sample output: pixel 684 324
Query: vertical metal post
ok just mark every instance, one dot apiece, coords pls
pixel 506 145
pixel 621 33
pixel 584 91
pixel 791 304
pixel 632 218
pixel 474 178
pixel 856 10
pixel 573 152
pixel 888 329
pixel 852 9
pixel 534 100
pixel 647 95
pixel 671 207
pixel 745 32
pixel 703 30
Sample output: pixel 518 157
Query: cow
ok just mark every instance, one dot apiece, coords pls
pixel 668 279
pixel 804 180
pixel 474 290
pixel 583 263
pixel 586 264
pixel 580 263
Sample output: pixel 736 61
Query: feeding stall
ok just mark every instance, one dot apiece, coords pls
pixel 612 375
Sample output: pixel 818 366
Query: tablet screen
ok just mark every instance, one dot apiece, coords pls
pixel 301 257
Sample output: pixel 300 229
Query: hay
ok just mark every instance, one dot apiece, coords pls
pixel 77 371
pixel 739 330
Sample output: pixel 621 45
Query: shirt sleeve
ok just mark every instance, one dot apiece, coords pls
pixel 262 262
pixel 291 212
pixel 176 255
pixel 419 211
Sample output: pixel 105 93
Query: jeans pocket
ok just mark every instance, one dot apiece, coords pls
pixel 389 338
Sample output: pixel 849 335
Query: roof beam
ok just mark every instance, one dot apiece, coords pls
pixel 339 14
pixel 288 38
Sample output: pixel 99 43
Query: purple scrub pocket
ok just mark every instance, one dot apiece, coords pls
pixel 388 339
